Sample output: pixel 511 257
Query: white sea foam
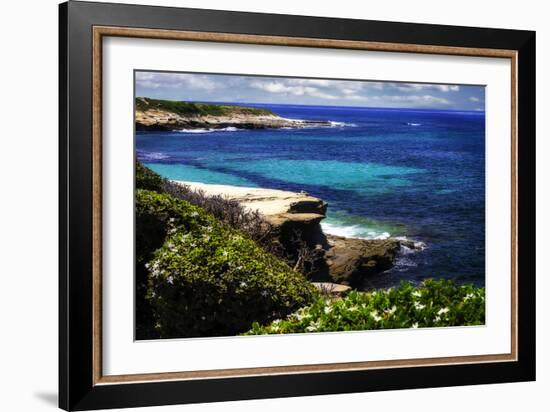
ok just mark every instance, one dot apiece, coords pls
pixel 414 124
pixel 306 125
pixel 353 231
pixel 418 245
pixel 152 156
pixel 345 231
pixel 403 263
pixel 224 129
pixel 341 124
pixel 299 124
pixel 359 232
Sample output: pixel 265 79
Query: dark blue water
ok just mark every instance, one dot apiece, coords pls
pixel 384 172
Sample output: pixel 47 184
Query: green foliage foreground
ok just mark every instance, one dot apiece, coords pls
pixel 433 304
pixel 205 278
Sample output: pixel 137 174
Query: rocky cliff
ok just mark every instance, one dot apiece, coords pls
pixel 154 114
pixel 346 261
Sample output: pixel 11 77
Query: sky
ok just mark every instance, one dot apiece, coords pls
pixel 326 92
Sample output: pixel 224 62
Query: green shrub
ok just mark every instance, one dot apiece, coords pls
pixel 229 211
pixel 197 109
pixel 148 180
pixel 149 238
pixel 205 278
pixel 433 304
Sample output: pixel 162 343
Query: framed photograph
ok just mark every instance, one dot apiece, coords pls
pixel 256 206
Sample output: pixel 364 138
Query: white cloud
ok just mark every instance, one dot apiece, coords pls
pixel 311 82
pixel 294 88
pixel 176 81
pixel 375 85
pixel 416 87
pixel 448 88
pixel 357 97
pixel 419 100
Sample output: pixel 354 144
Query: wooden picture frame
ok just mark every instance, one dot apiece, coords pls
pixel 82 385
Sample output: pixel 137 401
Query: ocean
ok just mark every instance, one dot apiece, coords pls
pixel 415 174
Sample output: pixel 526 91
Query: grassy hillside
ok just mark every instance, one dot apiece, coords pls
pixel 197 109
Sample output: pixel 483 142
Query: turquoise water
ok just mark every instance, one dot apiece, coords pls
pixel 384 172
pixel 356 176
pixel 195 174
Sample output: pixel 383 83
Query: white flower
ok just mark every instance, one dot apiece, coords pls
pixel 415 325
pixel 437 318
pixel 443 311
pixel 264 293
pixel 469 296
pixel 300 315
pixel 328 309
pixel 243 284
pixel 375 316
pixel 224 253
pixel 170 280
pixel 194 214
pixel 312 327
pixel 419 306
pixel 416 293
pixel 391 311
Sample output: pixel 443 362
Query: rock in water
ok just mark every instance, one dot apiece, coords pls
pixel 350 260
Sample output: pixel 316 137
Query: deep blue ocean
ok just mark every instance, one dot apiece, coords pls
pixel 418 174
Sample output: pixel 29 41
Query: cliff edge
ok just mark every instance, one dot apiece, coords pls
pixel 345 261
pixel 168 115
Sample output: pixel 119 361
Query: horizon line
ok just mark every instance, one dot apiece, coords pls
pixel 317 105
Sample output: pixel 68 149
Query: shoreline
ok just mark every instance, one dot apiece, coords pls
pixel 345 260
pixel 256 198
pixel 163 115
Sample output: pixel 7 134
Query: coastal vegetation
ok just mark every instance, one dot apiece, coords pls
pixel 198 276
pixel 434 303
pixel 228 211
pixel 207 266
pixel 197 109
